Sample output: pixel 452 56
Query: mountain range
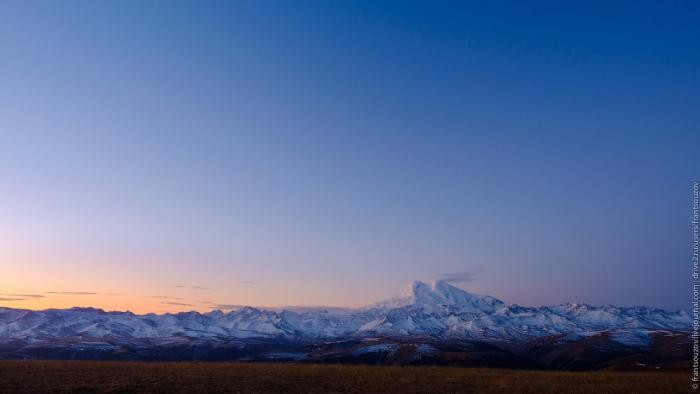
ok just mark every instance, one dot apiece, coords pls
pixel 433 323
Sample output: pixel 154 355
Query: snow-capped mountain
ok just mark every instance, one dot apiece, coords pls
pixel 433 312
pixel 438 309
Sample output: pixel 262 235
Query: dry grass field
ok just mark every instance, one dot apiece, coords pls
pixel 189 377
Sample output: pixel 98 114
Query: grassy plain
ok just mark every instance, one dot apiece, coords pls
pixel 193 377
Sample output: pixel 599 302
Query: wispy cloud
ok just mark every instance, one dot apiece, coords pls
pixel 470 275
pixel 247 282
pixel 166 297
pixel 73 292
pixel 191 287
pixel 176 303
pixel 228 306
pixel 23 295
pixel 82 293
pixel 12 299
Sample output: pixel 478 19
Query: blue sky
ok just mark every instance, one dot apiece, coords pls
pixel 331 152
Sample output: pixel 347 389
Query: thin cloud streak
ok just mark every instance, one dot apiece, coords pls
pixel 72 292
pixel 82 293
pixel 166 297
pixel 191 287
pixel 228 306
pixel 176 303
pixel 23 295
pixel 471 275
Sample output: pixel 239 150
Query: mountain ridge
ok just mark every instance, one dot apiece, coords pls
pixel 428 318
pixel 403 293
pixel 420 309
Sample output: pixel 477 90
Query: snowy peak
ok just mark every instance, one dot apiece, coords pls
pixel 440 296
pixel 464 300
pixel 437 310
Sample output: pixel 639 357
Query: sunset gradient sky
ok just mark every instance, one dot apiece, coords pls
pixel 168 156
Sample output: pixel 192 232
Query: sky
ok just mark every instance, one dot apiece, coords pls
pixel 167 156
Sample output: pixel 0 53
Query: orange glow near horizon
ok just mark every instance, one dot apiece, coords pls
pixel 139 285
pixel 122 303
pixel 135 304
